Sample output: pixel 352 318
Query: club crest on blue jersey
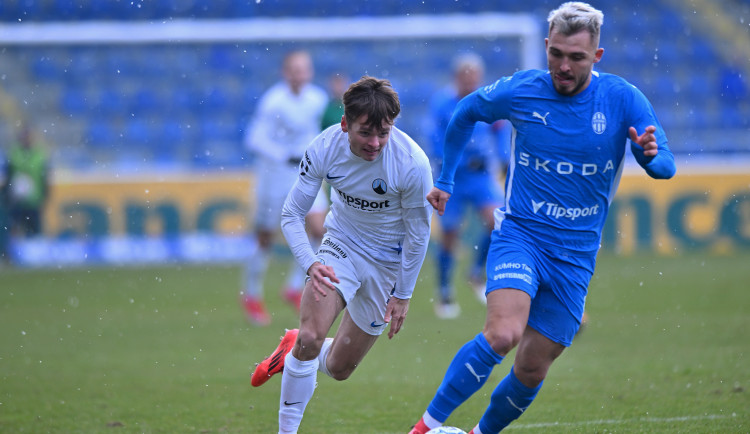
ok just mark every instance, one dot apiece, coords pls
pixel 599 122
pixel 379 186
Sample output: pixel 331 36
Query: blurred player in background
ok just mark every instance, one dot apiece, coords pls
pixel 337 85
pixel 28 184
pixel 287 118
pixel 378 230
pixel 477 183
pixel 571 127
pixel 4 224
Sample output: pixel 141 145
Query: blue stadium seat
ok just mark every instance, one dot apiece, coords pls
pixel 118 62
pixel 174 132
pixel 19 10
pixel 74 102
pixel 246 9
pixel 139 133
pixel 181 100
pixel 732 117
pixel 217 99
pixel 82 61
pixel 101 134
pixel 224 58
pixel 219 129
pixel 45 68
pixel 146 101
pixel 701 88
pixel 173 136
pixel 700 116
pixel 703 52
pixel 111 102
pixel 669 55
pixel 68 10
pixel 172 8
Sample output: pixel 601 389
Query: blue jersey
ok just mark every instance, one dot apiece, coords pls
pixel 567 152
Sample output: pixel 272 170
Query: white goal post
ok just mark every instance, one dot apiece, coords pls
pixel 481 25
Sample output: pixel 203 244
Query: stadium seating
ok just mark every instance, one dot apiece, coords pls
pixel 187 104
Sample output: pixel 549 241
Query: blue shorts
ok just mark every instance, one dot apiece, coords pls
pixel 557 281
pixel 476 190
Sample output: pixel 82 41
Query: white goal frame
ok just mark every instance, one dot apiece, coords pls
pixel 481 25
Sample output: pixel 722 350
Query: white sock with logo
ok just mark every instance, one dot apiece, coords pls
pixel 324 350
pixel 297 386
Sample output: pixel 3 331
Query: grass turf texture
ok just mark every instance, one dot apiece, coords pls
pixel 163 350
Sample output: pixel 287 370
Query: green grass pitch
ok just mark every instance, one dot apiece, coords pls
pixel 167 349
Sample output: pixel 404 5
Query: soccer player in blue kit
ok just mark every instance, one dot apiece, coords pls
pixel 477 180
pixel 570 131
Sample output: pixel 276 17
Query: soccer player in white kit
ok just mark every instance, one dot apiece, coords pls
pixel 378 229
pixel 286 120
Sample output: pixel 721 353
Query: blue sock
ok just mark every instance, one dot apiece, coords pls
pixel 445 270
pixel 509 400
pixel 467 373
pixel 481 257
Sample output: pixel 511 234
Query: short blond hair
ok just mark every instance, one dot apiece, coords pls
pixel 573 17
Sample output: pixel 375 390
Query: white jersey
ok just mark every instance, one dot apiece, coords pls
pixel 285 123
pixel 371 200
pixel 282 127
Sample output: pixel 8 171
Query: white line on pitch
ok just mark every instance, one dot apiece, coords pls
pixel 617 421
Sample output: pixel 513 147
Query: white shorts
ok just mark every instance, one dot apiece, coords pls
pixel 271 188
pixel 365 285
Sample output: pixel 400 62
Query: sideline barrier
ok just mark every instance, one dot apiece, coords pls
pixel 206 219
pixel 688 212
pixel 136 251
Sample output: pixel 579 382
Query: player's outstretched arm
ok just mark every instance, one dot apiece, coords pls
pixel 438 198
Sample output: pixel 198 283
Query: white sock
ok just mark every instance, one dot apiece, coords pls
pixel 324 350
pixel 254 273
pixel 477 430
pixel 297 387
pixel 430 421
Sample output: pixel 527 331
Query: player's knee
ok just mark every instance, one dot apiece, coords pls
pixel 502 340
pixel 340 373
pixel 310 343
pixel 530 374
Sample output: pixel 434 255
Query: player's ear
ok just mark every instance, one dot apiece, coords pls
pixel 344 126
pixel 598 54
